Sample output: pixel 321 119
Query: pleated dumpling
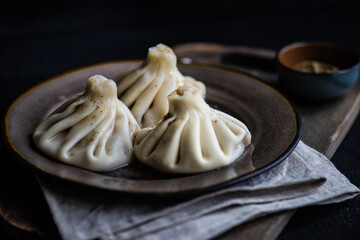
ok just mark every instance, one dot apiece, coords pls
pixel 192 138
pixel 94 130
pixel 146 88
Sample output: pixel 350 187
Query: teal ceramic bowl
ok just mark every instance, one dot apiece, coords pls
pixel 297 64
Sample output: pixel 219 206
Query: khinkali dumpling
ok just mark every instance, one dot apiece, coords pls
pixel 94 130
pixel 146 88
pixel 192 138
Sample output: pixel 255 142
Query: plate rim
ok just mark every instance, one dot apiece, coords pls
pixel 281 157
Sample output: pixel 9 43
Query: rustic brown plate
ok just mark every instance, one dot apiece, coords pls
pixel 273 121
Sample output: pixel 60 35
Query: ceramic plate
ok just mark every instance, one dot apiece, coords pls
pixel 274 123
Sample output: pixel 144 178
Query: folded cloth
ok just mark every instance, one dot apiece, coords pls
pixel 305 178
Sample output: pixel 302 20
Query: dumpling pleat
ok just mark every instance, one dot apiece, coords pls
pixel 169 144
pixel 60 115
pixel 82 129
pixel 190 146
pixel 63 122
pixel 142 104
pixel 99 136
pixel 211 148
pixel 137 88
pixel 129 80
pixel 64 111
pixel 225 135
pixel 237 127
pixel 234 124
pixel 122 127
pixel 148 143
pixel 160 104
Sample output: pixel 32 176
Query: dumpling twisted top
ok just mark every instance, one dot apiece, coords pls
pixel 193 137
pixel 145 89
pixel 94 131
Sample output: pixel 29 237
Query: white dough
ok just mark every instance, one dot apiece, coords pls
pixel 145 89
pixel 192 138
pixel 94 131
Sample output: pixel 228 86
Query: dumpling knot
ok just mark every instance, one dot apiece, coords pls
pixel 162 54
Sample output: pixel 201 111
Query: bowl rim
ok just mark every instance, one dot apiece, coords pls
pixel 303 43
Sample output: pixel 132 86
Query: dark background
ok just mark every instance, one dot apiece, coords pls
pixel 39 40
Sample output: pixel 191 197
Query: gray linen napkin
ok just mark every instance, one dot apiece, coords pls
pixel 305 178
